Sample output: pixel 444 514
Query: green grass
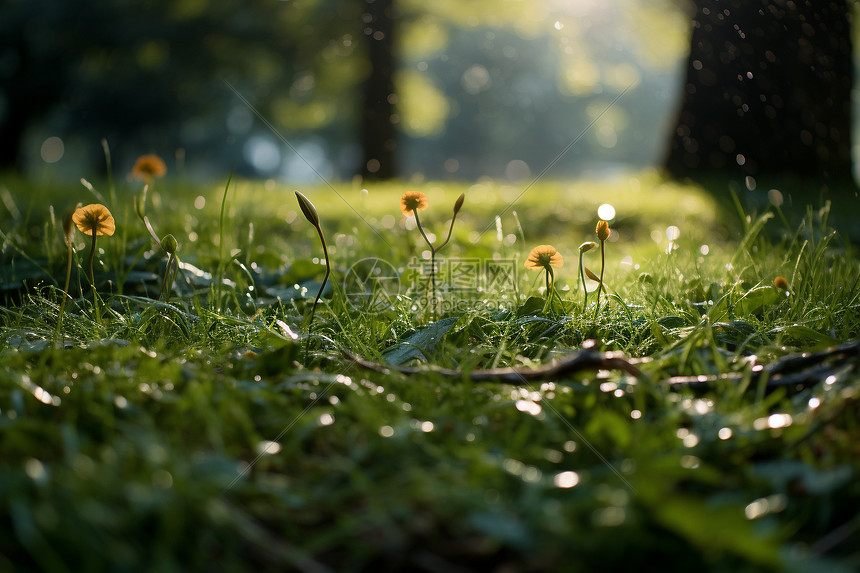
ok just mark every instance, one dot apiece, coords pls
pixel 209 433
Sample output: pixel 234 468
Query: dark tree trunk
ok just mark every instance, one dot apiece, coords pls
pixel 767 92
pixel 378 132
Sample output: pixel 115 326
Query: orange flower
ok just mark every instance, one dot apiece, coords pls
pixel 543 257
pixel 413 201
pixel 602 230
pixel 94 219
pixel 148 167
pixel 781 283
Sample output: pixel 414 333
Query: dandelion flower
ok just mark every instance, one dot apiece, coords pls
pixel 413 201
pixel 148 167
pixel 543 257
pixel 94 219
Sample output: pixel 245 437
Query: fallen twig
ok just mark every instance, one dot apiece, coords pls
pixel 797 370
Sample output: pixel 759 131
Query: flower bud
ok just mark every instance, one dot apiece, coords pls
pixel 587 246
pixel 459 203
pixel 168 243
pixel 602 230
pixel 780 283
pixel 308 209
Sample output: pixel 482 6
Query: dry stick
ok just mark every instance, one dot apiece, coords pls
pixel 585 359
pixel 791 370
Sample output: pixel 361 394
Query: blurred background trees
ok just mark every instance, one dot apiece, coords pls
pixel 375 88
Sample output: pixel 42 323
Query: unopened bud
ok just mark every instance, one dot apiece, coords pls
pixel 459 203
pixel 168 243
pixel 308 209
pixel 602 230
pixel 587 246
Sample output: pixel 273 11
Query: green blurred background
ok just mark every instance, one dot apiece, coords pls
pixel 413 90
pixel 481 88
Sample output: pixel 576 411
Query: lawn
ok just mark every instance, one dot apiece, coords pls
pixel 224 423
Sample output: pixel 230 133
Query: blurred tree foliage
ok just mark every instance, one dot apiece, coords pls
pixel 155 69
pixel 458 89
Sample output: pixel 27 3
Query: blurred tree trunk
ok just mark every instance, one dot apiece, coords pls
pixel 378 132
pixel 767 92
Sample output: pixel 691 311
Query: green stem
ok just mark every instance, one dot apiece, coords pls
pixel 450 230
pixel 325 279
pixel 319 293
pixel 93 256
pixel 164 281
pixel 582 280
pixel 432 262
pixel 548 273
pixel 600 284
pixel 65 292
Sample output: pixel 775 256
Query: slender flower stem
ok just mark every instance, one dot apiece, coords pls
pixel 548 273
pixel 450 230
pixel 325 279
pixel 432 261
pixel 600 284
pixel 582 280
pixel 65 291
pixel 164 283
pixel 92 256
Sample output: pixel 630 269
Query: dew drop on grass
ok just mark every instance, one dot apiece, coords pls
pixel 690 462
pixel 34 469
pixel 326 419
pixel 386 431
pixel 268 447
pixel 725 433
pixel 566 479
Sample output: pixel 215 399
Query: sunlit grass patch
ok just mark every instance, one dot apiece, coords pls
pixel 219 427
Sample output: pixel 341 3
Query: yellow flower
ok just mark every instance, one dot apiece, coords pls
pixel 602 230
pixel 148 167
pixel 543 257
pixel 412 201
pixel 781 283
pixel 94 219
